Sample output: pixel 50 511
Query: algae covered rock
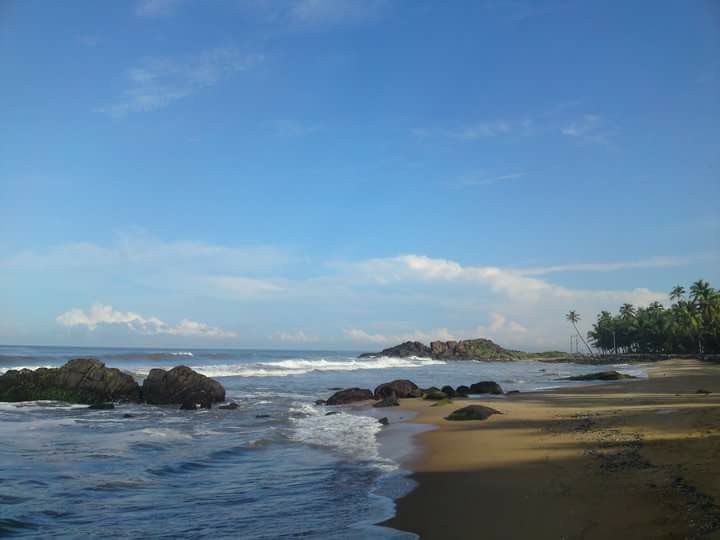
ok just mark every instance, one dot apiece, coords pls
pixel 82 380
pixel 472 412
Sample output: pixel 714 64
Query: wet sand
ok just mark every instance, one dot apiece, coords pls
pixel 631 459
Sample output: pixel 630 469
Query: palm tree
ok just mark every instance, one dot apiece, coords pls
pixel 677 293
pixel 574 318
pixel 627 311
pixel 702 296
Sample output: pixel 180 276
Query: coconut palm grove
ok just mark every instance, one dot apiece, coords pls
pixel 690 325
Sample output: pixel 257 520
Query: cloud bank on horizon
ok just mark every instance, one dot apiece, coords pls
pixel 351 173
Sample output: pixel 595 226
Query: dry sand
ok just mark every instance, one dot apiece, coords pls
pixel 631 459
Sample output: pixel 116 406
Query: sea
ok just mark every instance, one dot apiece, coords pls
pixel 277 467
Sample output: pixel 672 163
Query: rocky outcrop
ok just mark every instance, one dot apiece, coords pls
pixel 467 349
pixel 400 388
pixel 404 350
pixel 435 395
pixel 448 390
pixel 600 376
pixel 181 385
pixel 387 402
pixel 462 391
pixel 472 412
pixel 82 380
pixel 486 387
pixel 350 395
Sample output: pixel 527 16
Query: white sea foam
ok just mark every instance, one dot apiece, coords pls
pixel 182 353
pixel 6 369
pixel 352 436
pixel 300 366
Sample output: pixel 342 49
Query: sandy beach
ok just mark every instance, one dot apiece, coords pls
pixel 631 459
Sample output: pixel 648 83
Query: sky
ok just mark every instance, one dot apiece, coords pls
pixel 349 174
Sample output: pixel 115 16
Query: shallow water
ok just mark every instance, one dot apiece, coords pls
pixel 276 467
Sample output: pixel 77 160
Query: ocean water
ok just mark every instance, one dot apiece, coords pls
pixel 277 467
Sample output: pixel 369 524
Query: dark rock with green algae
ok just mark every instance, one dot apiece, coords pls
pixel 601 376
pixel 82 380
pixel 472 412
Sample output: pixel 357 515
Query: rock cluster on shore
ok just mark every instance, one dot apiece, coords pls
pixel 467 349
pixel 388 394
pixel 89 381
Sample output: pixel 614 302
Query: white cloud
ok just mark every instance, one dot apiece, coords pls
pixel 294 337
pixel 361 336
pixel 100 314
pixel 155 8
pixel 484 179
pixel 325 12
pixel 242 287
pixel 159 82
pixel 587 128
pixel 655 262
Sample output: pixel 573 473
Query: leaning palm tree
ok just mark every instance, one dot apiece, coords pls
pixel 574 318
pixel 677 293
pixel 627 311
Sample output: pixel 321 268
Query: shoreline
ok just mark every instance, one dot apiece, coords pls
pixel 570 462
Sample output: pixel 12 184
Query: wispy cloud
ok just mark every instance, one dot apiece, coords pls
pixel 478 130
pixel 654 262
pixel 485 179
pixel 156 8
pixel 157 82
pixel 328 12
pixel 239 287
pixel 105 315
pixel 587 128
pixel 359 335
pixel 294 337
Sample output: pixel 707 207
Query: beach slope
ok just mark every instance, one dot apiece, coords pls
pixel 633 459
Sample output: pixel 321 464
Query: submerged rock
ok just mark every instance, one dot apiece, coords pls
pixel 230 406
pixel 400 388
pixel 384 420
pixel 181 385
pixel 600 376
pixel 472 412
pixel 82 380
pixel 387 402
pixel 486 387
pixel 350 395
pixel 102 406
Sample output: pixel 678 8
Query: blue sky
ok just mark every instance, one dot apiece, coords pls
pixel 347 173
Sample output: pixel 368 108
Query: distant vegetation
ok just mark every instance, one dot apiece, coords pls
pixel 690 325
pixel 522 355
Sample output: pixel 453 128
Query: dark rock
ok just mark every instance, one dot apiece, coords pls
pixel 197 400
pixel 384 420
pixel 486 387
pixel 262 416
pixel 230 406
pixel 335 388
pixel 462 391
pixel 600 376
pixel 424 391
pixel 400 388
pixel 435 395
pixel 512 392
pixel 82 380
pixel 102 406
pixel 350 395
pixel 701 391
pixel 387 402
pixel 449 390
pixel 181 385
pixel 472 412
pixel 409 348
pixel 320 402
pixel 330 413
pixel 128 415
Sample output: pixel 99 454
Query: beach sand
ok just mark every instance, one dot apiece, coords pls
pixel 631 459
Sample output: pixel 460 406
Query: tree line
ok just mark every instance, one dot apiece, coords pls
pixel 690 325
